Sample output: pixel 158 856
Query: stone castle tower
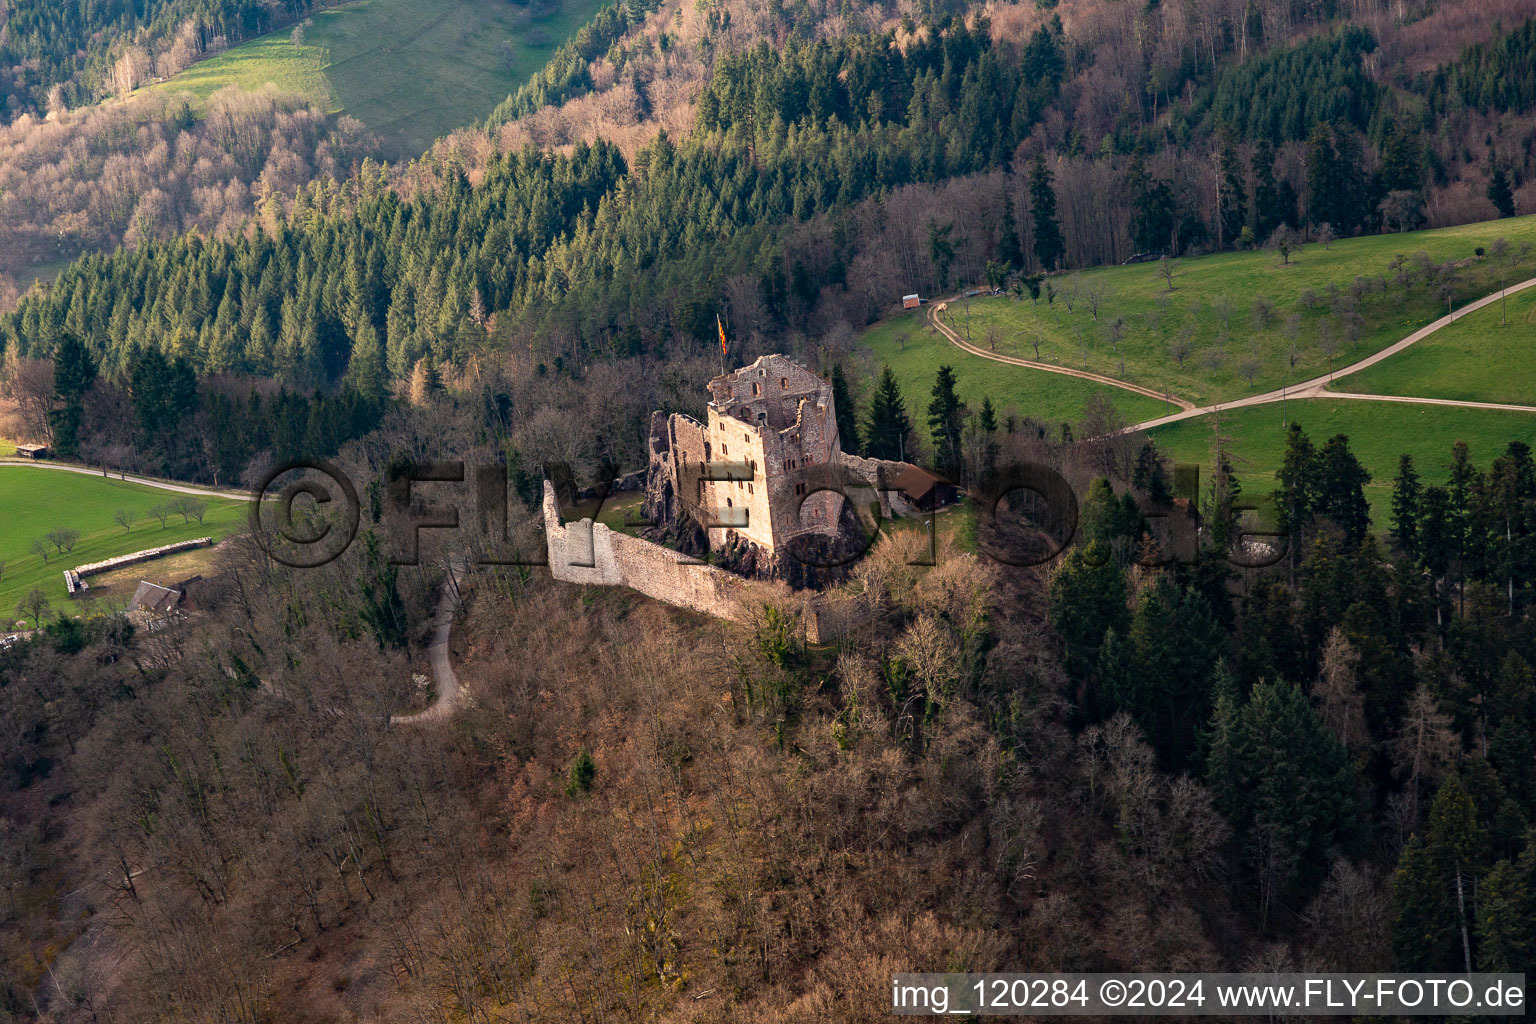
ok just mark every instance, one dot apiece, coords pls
pixel 749 476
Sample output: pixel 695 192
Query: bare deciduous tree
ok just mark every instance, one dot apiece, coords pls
pixel 1181 346
pixel 63 538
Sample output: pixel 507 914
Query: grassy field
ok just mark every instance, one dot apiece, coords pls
pixel 411 70
pixel 915 352
pixel 1481 358
pixel 271 60
pixel 35 501
pixel 1378 433
pixel 1209 317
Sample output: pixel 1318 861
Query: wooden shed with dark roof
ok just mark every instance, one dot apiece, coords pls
pixel 924 490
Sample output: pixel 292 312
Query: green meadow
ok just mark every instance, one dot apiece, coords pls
pixel 1242 323
pixel 915 351
pixel 411 70
pixel 35 501
pixel 1489 356
pixel 1379 432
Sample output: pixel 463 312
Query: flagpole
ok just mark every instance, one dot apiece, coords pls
pixel 723 352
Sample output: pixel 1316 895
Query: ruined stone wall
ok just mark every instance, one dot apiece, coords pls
pixel 591 553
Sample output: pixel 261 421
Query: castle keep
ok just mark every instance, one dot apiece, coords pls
pixel 749 475
pixel 760 483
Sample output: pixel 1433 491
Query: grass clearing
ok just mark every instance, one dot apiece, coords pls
pixel 1378 433
pixel 34 501
pixel 266 61
pixel 1209 318
pixel 915 351
pixel 411 70
pixel 1481 358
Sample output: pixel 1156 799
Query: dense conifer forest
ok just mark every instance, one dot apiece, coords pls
pixel 1239 723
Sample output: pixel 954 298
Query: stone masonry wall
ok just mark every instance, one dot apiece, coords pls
pixel 591 553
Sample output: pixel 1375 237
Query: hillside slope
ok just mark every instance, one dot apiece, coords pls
pixel 410 70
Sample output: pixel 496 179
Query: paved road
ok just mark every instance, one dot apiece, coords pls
pixel 58 467
pixel 1317 387
pixel 955 339
pixel 445 680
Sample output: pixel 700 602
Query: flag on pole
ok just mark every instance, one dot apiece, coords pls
pixel 723 350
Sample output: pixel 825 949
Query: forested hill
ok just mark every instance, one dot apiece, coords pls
pixel 86 49
pixel 814 183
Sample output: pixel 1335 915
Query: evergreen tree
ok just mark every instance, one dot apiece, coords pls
pixel 74 371
pixel 1176 649
pixel 1221 503
pixel 1499 193
pixel 1335 180
pixel 1086 599
pixel 1506 915
pixel 1267 212
pixel 365 369
pixel 847 411
pixel 1341 484
pixel 1153 209
pixel 1433 890
pixel 988 416
pixel 1010 251
pixel 886 436
pixel 946 421
pixel 1297 494
pixel 1150 475
pixel 1402 161
pixel 1231 195
pixel 1050 247
pixel 1287 786
pixel 1512 736
pixel 941 250
pixel 1407 498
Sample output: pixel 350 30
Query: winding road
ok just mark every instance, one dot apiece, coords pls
pixel 955 339
pixel 1317 387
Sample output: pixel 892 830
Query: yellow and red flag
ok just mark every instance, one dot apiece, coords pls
pixel 723 350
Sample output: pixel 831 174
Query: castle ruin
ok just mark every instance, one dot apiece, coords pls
pixel 761 478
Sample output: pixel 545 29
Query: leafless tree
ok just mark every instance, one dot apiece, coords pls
pixel 1116 332
pixel 33 606
pixel 63 538
pixel 1222 307
pixel 1285 241
pixel 124 517
pixel 1263 312
pixel 1181 346
pixel 1327 338
pixel 1095 293
pixel 1167 268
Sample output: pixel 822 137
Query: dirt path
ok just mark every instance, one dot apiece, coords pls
pixel 1357 397
pixel 1317 387
pixel 445 681
pixel 955 339
pixel 207 492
